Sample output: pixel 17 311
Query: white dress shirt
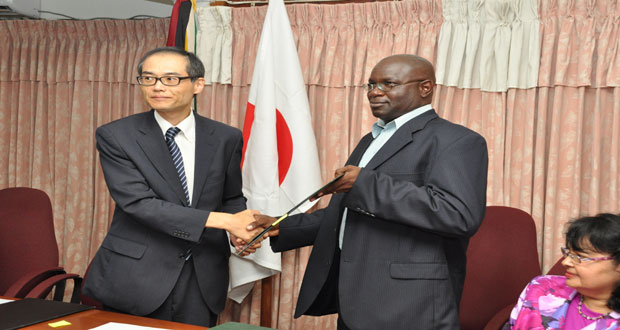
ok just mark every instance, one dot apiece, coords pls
pixel 186 141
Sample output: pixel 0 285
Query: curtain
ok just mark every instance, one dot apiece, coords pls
pixel 59 81
pixel 553 146
pixel 214 32
pixel 489 45
pixel 553 149
pixel 578 104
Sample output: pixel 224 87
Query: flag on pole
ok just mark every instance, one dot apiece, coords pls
pixel 182 29
pixel 280 163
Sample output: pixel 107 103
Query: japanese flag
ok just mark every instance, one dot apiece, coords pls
pixel 280 164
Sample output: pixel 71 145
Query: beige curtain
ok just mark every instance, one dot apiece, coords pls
pixel 490 45
pixel 554 149
pixel 214 42
pixel 578 103
pixel 59 80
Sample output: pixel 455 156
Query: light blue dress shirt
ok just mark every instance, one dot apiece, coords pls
pixel 381 133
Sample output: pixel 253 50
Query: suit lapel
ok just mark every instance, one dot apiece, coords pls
pixel 358 152
pixel 153 143
pixel 205 149
pixel 402 137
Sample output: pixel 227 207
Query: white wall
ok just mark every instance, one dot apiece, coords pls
pixel 86 9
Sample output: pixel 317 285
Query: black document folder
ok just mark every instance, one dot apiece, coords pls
pixel 314 194
pixel 21 313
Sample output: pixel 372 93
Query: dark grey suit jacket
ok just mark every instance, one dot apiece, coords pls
pixel 142 255
pixel 411 212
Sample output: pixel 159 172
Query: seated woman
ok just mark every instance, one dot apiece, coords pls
pixel 588 296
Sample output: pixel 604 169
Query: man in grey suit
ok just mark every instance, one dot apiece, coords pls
pixel 175 177
pixel 389 249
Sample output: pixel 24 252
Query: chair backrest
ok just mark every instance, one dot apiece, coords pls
pixel 501 259
pixel 27 239
pixel 557 268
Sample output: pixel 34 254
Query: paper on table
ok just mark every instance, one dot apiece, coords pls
pixel 123 326
pixel 4 301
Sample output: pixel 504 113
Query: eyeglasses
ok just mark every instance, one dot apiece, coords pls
pixel 579 259
pixel 166 81
pixel 386 87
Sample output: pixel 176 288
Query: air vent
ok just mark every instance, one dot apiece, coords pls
pixel 20 9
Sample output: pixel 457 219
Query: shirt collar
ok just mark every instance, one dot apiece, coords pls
pixel 380 125
pixel 187 125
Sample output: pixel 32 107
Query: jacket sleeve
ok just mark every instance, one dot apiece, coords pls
pixel 135 198
pixel 297 231
pixel 449 200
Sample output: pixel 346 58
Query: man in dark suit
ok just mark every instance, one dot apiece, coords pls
pixel 175 177
pixel 389 249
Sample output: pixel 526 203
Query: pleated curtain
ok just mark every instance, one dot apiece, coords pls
pixel 540 80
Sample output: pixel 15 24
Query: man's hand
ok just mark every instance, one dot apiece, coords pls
pixel 344 184
pixel 264 221
pixel 236 224
pixel 240 225
pixel 238 243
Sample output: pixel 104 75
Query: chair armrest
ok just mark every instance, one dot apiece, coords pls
pixel 500 318
pixel 24 284
pixel 86 300
pixel 43 289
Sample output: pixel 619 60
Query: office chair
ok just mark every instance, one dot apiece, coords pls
pixel 557 268
pixel 501 259
pixel 28 247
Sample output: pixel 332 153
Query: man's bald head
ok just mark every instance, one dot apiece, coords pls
pixel 401 83
pixel 416 65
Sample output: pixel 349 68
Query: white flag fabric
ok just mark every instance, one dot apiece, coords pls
pixel 280 164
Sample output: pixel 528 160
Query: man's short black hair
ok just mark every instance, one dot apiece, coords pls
pixel 195 68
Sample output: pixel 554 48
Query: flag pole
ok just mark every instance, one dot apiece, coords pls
pixel 266 301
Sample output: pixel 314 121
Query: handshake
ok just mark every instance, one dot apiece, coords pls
pixel 245 225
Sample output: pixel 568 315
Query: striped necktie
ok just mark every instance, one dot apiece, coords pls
pixel 177 158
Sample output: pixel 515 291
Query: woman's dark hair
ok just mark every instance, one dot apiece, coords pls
pixel 600 233
pixel 195 68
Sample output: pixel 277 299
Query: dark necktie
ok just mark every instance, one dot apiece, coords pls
pixel 177 158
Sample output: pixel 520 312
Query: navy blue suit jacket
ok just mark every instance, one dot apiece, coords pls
pixel 142 255
pixel 411 212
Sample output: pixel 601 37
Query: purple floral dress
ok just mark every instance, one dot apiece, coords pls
pixel 543 305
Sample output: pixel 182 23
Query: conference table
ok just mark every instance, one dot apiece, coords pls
pixel 94 317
